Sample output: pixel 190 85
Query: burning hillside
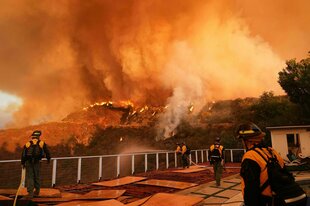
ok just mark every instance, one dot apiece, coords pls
pixel 109 127
pixel 82 124
pixel 114 114
pixel 71 53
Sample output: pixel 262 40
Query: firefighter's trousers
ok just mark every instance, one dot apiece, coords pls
pixel 218 170
pixel 33 176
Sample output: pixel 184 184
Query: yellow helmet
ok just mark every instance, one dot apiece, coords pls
pixel 249 130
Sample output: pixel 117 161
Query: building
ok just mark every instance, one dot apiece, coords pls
pixel 294 138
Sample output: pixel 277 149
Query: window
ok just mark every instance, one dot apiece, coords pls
pixel 292 140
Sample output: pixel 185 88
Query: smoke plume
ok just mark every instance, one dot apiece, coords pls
pixel 60 56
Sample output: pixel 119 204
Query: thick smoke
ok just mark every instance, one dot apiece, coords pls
pixel 60 56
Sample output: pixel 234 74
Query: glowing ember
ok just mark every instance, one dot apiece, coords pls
pixel 191 108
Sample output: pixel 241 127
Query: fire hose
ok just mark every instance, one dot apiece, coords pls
pixel 224 168
pixel 225 203
pixel 20 185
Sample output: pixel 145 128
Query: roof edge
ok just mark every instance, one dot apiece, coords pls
pixel 289 127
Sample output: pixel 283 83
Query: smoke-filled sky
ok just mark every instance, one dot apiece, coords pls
pixel 58 56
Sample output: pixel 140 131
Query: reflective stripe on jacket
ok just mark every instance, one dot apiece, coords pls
pixel 34 141
pixel 252 155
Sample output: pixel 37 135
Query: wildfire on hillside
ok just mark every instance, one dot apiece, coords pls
pixel 135 115
pixel 98 50
pixel 110 104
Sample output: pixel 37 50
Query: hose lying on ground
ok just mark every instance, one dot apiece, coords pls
pixel 203 166
pixel 224 203
pixel 22 179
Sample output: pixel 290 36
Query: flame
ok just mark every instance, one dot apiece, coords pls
pixel 191 108
pixel 210 107
pixel 144 108
pixel 127 103
pixel 109 104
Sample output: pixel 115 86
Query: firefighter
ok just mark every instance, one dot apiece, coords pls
pixel 33 152
pixel 217 158
pixel 178 151
pixel 185 161
pixel 255 184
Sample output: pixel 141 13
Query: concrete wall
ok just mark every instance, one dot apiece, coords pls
pixel 279 141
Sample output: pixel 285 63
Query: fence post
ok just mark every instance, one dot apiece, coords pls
pixel 201 156
pixel 207 153
pixel 79 170
pixel 145 162
pixel 231 156
pixel 118 166
pixel 157 161
pixel 190 159
pixel 132 164
pixel 175 160
pixel 100 169
pixel 167 160
pixel 54 172
pixel 196 156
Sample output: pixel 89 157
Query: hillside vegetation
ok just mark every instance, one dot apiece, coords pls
pixel 106 130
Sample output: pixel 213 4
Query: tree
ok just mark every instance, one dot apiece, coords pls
pixel 295 80
pixel 272 110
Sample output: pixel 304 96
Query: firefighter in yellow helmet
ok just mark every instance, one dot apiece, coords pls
pixel 255 184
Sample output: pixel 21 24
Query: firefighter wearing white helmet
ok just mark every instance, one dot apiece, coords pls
pixel 256 177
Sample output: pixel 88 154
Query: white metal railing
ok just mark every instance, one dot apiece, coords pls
pixel 118 157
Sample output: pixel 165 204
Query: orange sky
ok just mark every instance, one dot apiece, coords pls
pixel 60 56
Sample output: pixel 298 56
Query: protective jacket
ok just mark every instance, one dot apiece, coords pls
pixel 254 176
pixel 178 150
pixel 216 152
pixel 184 148
pixel 43 147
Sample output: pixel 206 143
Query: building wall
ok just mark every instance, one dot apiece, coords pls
pixel 305 142
pixel 279 141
